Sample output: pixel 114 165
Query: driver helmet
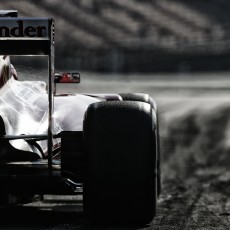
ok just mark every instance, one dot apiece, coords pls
pixel 7 70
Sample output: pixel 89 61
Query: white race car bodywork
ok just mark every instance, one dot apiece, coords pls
pixel 24 109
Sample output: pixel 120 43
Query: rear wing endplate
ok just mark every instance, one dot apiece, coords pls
pixel 9 13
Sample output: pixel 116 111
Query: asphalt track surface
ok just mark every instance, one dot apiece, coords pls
pixel 195 143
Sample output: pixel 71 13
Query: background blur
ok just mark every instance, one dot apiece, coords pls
pixel 136 35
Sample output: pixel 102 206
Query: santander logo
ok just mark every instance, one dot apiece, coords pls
pixel 22 30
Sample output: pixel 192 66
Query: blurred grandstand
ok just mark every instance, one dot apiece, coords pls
pixel 136 35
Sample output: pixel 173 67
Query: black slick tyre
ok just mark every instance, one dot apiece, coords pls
pixel 146 98
pixel 120 173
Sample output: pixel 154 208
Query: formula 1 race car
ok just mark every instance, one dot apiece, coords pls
pixel 105 147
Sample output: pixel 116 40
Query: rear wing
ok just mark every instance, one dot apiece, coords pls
pixel 8 13
pixel 26 36
pixel 32 36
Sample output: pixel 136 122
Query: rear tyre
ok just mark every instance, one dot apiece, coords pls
pixel 146 98
pixel 120 180
pixel 139 97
